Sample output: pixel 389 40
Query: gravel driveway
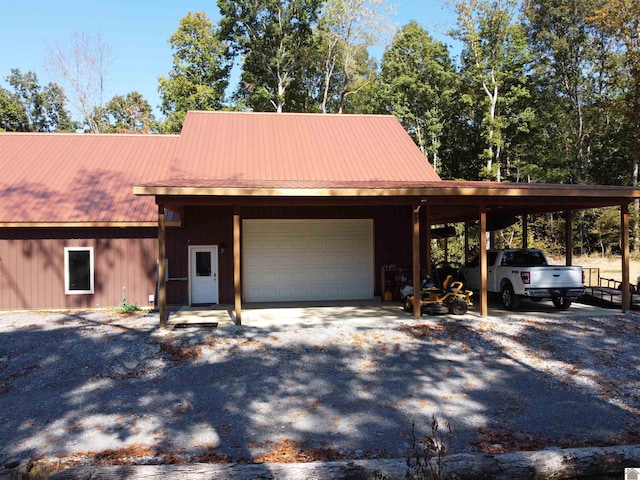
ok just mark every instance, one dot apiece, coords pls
pixel 342 383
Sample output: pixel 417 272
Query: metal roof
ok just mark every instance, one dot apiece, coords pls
pixel 79 178
pixel 295 147
pixel 82 179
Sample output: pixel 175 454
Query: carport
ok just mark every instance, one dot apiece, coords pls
pixel 453 202
pixel 431 204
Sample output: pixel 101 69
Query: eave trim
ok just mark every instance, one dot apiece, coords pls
pixel 84 224
pixel 621 193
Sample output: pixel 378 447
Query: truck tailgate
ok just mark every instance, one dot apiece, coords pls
pixel 555 276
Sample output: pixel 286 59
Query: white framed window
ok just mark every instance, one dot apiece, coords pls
pixel 78 270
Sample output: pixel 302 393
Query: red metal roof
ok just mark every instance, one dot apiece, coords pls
pixel 295 147
pixel 70 178
pixel 81 178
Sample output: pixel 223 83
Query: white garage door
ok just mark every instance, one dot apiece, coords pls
pixel 285 260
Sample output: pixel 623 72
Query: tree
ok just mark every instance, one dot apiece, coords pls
pixel 566 48
pixel 620 19
pixel 81 70
pixel 126 114
pixel 200 72
pixel 31 107
pixel 494 60
pixel 418 81
pixel 271 36
pixel 13 115
pixel 347 28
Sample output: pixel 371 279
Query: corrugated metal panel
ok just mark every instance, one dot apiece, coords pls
pixel 80 178
pixel 32 267
pixel 269 147
pixel 69 178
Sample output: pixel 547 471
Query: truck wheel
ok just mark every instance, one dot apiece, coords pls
pixel 509 300
pixel 458 307
pixel 561 303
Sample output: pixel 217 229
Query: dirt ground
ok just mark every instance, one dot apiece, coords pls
pixel 342 383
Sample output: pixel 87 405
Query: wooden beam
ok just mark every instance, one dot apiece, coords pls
pixel 417 290
pixel 237 283
pixel 482 232
pixel 446 246
pixel 525 231
pixel 162 264
pixel 624 235
pixel 428 240
pixel 466 243
pixel 568 237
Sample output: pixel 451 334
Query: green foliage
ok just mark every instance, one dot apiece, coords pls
pixel 126 114
pixel 417 85
pixel 200 72
pixel 128 308
pixel 270 35
pixel 32 108
pixel 13 115
pixel 494 65
pixel 568 50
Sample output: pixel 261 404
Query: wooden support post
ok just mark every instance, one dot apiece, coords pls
pixel 162 266
pixel 466 242
pixel 237 284
pixel 482 231
pixel 624 235
pixel 446 245
pixel 525 231
pixel 415 215
pixel 568 237
pixel 428 241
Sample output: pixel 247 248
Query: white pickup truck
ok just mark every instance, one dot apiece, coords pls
pixel 518 273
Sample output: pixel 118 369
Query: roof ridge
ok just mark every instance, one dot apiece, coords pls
pixel 297 114
pixel 89 135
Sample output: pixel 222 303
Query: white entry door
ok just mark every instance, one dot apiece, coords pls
pixel 203 274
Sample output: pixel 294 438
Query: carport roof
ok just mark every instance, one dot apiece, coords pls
pixel 449 201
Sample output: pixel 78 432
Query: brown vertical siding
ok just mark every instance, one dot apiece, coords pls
pixel 32 266
pixel 201 226
pixel 206 225
pixel 32 259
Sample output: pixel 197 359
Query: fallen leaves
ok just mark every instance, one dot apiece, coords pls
pixel 291 451
pixel 180 354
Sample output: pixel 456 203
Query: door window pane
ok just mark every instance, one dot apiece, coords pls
pixel 203 264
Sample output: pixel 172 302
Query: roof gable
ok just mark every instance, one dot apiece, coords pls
pixel 289 148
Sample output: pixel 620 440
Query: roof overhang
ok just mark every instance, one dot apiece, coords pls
pixel 449 201
pixel 86 224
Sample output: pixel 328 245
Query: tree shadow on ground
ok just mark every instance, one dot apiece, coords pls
pixel 108 387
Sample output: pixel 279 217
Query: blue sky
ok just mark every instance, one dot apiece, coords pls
pixel 137 33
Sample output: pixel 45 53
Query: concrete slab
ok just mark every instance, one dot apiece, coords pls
pixel 292 314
